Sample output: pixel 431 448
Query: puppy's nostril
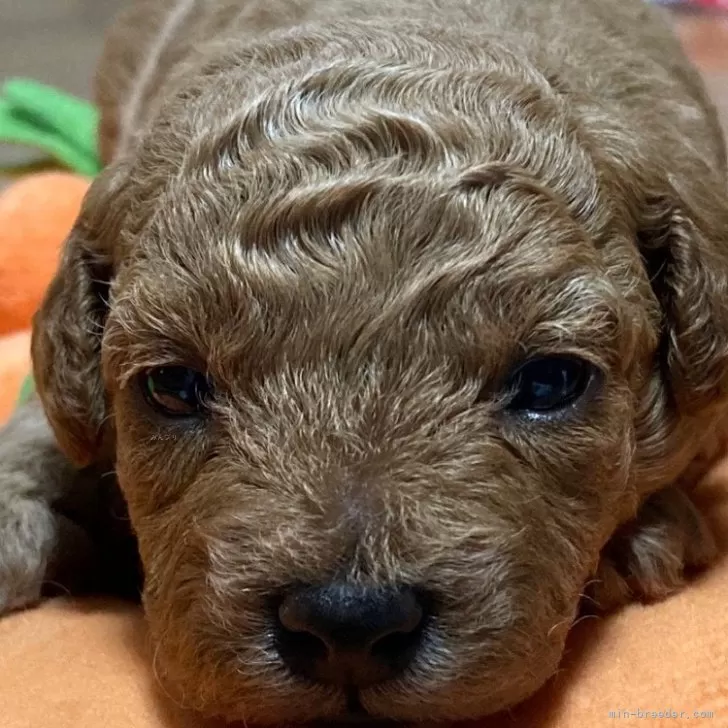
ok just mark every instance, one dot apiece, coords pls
pixel 349 635
pixel 306 643
pixel 392 645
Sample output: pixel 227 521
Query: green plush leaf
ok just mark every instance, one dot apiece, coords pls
pixel 13 130
pixel 63 126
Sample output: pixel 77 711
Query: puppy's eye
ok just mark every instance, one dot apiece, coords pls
pixel 549 383
pixel 176 391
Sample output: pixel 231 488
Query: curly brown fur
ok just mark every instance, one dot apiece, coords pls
pixel 358 218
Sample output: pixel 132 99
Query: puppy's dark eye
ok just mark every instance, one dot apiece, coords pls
pixel 176 391
pixel 549 383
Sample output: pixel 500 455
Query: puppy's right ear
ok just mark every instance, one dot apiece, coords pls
pixel 68 327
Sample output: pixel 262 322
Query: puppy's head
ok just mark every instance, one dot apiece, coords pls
pixel 376 401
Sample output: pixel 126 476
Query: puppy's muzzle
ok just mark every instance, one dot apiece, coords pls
pixel 352 636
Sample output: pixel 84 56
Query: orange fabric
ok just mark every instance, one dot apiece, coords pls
pixel 80 665
pixel 36 213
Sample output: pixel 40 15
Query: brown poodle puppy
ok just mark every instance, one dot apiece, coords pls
pixel 398 323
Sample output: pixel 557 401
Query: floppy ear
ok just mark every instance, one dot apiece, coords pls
pixel 684 243
pixel 68 327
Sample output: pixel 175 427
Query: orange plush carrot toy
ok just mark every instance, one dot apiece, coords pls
pixel 36 213
pixel 37 210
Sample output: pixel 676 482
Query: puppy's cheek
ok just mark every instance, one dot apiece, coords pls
pixel 179 608
pixel 507 603
pixel 488 650
pixel 208 604
pixel 156 467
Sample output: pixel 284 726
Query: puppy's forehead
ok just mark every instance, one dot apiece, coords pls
pixel 447 267
pixel 390 225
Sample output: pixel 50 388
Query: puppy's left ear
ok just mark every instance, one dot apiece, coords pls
pixel 69 325
pixel 684 244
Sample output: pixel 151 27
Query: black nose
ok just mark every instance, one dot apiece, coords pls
pixel 349 635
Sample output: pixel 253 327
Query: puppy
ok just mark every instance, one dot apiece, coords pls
pixel 399 324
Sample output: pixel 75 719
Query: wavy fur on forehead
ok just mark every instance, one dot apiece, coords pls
pixel 327 105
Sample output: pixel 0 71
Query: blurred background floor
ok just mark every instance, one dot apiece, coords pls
pixel 58 42
pixel 53 41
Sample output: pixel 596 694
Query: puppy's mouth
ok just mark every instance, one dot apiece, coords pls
pixel 355 714
pixel 354 719
pixel 357 719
